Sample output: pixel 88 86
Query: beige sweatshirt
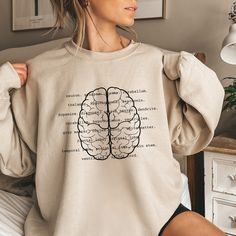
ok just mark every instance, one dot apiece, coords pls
pixel 103 126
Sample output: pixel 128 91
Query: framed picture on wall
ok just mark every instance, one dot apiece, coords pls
pixel 151 9
pixel 32 14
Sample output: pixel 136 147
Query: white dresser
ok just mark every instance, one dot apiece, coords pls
pixel 220 183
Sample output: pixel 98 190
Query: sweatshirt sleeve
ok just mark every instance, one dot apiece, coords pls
pixel 194 98
pixel 15 155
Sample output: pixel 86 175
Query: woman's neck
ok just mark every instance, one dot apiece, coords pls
pixel 104 41
pixel 112 45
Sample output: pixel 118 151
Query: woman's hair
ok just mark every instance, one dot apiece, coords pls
pixel 75 9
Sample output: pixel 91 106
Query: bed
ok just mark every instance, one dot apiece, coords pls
pixel 13 211
pixel 16 194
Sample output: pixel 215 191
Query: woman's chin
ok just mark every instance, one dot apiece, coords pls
pixel 128 23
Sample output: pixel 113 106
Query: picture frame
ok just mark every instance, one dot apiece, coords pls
pixel 32 14
pixel 151 9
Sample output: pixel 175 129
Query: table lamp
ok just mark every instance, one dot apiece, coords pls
pixel 228 51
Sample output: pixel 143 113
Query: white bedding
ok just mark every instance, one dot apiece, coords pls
pixel 185 198
pixel 14 209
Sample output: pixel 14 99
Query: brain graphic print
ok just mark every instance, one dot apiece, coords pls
pixel 109 124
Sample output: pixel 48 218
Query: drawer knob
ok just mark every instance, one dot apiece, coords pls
pixel 232 177
pixel 233 219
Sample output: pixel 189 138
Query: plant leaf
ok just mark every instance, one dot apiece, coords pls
pixel 231 98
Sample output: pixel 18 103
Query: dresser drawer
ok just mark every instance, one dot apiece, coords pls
pixel 224 176
pixel 224 215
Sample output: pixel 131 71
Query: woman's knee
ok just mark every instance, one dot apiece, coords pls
pixel 191 224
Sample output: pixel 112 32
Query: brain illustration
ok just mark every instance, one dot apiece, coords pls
pixel 108 124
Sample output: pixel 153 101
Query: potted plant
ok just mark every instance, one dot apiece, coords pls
pixel 230 96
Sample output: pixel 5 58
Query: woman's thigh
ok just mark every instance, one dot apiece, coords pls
pixel 191 224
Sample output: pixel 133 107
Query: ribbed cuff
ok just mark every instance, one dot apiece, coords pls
pixel 9 77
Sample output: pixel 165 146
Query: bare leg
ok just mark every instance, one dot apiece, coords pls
pixel 191 224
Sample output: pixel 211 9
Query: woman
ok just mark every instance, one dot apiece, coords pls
pixel 104 113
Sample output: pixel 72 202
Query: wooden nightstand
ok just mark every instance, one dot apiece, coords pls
pixel 220 183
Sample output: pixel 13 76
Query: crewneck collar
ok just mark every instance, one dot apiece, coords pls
pixel 77 51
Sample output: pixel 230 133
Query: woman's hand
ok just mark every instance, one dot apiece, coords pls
pixel 21 70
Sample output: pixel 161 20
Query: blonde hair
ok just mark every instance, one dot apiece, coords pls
pixel 75 9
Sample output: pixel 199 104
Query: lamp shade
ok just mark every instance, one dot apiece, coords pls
pixel 228 51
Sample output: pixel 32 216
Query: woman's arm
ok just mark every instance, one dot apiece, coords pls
pixel 15 155
pixel 194 98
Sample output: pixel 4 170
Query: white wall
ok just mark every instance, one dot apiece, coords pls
pixel 191 25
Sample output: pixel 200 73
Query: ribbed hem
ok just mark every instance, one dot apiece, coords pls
pixel 77 51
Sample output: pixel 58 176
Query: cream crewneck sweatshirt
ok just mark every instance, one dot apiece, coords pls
pixel 103 126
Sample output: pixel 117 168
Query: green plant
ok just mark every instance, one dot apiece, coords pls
pixel 230 96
